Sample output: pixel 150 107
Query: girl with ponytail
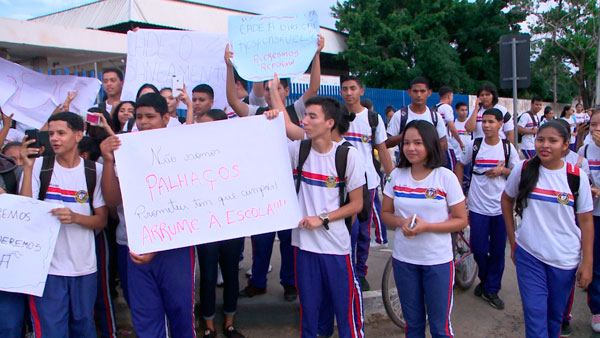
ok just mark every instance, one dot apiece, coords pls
pixel 569 116
pixel 547 245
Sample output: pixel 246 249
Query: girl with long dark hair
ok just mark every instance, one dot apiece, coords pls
pixel 569 116
pixel 487 98
pixel 547 245
pixel 416 200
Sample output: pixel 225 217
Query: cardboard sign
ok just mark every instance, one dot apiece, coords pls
pixel 206 182
pixel 264 44
pixel 28 235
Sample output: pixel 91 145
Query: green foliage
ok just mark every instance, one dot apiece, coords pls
pixel 451 42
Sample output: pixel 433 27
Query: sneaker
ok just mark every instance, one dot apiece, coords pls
pixel 251 291
pixel 596 323
pixel 231 332
pixel 249 272
pixel 375 245
pixel 494 300
pixel 208 333
pixel 364 284
pixel 565 329
pixel 478 290
pixel 290 293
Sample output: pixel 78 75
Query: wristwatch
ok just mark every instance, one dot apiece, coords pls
pixel 325 218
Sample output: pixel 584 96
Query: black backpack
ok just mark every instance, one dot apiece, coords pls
pixel 404 117
pixel 477 145
pixel 291 113
pixel 341 160
pixel 9 174
pixel 46 176
pixel 533 118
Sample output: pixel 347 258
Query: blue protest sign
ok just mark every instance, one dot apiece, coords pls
pixel 265 44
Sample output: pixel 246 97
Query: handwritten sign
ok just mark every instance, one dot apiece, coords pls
pixel 206 182
pixel 28 235
pixel 33 96
pixel 154 56
pixel 263 44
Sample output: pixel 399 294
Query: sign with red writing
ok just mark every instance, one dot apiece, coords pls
pixel 206 182
pixel 266 44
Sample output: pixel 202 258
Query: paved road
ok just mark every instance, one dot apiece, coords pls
pixel 270 316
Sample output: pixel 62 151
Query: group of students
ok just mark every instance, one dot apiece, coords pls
pixel 336 150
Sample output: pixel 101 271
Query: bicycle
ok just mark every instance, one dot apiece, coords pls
pixel 465 272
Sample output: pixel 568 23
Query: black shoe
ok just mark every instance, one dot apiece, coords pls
pixel 494 300
pixel 364 284
pixel 565 329
pixel 478 290
pixel 290 293
pixel 231 332
pixel 251 291
pixel 208 333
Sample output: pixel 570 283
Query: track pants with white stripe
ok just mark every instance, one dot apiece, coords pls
pixel 165 286
pixel 544 292
pixel 320 276
pixel 360 235
pixel 425 290
pixel 104 307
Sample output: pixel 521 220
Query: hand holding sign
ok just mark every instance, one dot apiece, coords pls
pixel 266 44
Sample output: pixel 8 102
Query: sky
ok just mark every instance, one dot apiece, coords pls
pixel 26 9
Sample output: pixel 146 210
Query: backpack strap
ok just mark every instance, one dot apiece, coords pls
pixel 507 117
pixel 373 123
pixel 476 146
pixel 403 118
pixel 90 180
pixel 434 116
pixel 45 176
pixel 291 109
pixel 585 149
pixel 573 178
pixel 534 119
pixel 341 161
pixel 305 146
pixel 130 124
pixel 506 147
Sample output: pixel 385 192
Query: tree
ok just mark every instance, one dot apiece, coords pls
pixel 450 42
pixel 571 34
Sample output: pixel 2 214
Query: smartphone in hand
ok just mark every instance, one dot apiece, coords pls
pixel 33 134
pixel 176 83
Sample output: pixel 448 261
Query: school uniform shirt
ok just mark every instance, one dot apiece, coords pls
pixel 319 193
pixel 447 114
pixel 485 192
pixel 573 124
pixel 75 252
pixel 573 158
pixel 588 139
pixel 359 135
pixel 528 140
pixel 593 158
pixel 547 230
pixel 581 117
pixel 429 199
pixel 506 127
pixel 464 135
pixel 394 125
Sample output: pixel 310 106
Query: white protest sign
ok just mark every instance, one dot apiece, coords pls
pixel 33 96
pixel 265 44
pixel 205 183
pixel 155 55
pixel 28 235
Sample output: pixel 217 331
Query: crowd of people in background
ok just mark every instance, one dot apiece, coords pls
pixel 438 168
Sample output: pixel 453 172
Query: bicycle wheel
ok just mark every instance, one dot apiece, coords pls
pixel 391 301
pixel 464 262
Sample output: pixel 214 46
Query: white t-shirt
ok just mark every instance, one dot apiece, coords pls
pixel 485 192
pixel 121 233
pixel 581 117
pixel 547 230
pixel 447 113
pixel 573 124
pixel 593 158
pixel 173 122
pixel 528 140
pixel 506 127
pixel 464 135
pixel 394 125
pixel 319 193
pixel 359 135
pixel 430 198
pixel 75 252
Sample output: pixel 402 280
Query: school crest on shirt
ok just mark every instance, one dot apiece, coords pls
pixel 365 138
pixel 563 198
pixel 501 163
pixel 81 196
pixel 431 193
pixel 330 181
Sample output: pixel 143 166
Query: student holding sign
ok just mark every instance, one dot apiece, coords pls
pixel 324 269
pixel 160 283
pixel 70 290
pixel 263 244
